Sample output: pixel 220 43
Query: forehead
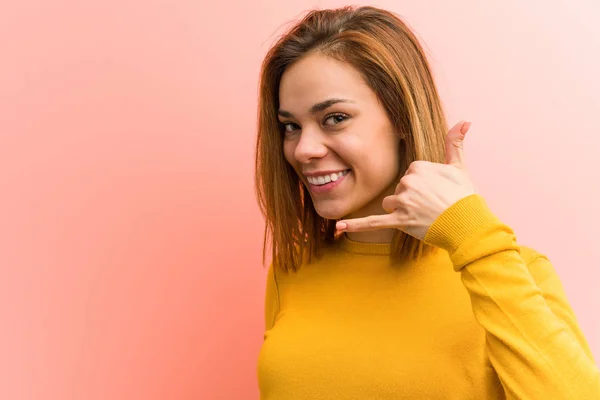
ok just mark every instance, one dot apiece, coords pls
pixel 317 77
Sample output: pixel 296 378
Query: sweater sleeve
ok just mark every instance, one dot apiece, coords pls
pixel 271 299
pixel 532 337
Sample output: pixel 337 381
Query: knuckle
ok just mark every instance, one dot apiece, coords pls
pixel 416 165
pixel 406 180
pixel 372 223
pixel 403 198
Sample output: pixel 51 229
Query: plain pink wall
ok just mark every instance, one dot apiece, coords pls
pixel 130 240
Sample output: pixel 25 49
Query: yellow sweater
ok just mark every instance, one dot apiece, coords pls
pixel 483 318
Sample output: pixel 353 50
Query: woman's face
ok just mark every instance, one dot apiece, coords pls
pixel 334 124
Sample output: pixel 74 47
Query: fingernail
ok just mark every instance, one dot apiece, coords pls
pixel 340 226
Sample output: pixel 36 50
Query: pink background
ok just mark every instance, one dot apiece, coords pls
pixel 130 239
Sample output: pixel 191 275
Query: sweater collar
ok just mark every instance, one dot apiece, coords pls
pixel 351 246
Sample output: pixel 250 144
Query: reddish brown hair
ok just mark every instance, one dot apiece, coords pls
pixel 392 62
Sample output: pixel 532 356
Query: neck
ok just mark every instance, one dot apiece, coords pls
pixel 378 236
pixel 374 208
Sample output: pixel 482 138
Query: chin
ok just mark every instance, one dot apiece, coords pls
pixel 329 212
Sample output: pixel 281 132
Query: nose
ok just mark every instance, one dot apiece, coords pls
pixel 310 146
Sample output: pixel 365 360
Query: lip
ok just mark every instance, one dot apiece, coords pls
pixel 318 189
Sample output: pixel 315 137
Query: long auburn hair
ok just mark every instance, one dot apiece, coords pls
pixel 392 62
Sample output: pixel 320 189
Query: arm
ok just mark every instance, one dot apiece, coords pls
pixel 549 283
pixel 533 340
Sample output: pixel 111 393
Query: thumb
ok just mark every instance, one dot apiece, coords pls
pixel 454 144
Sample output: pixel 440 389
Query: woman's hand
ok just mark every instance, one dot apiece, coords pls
pixel 424 192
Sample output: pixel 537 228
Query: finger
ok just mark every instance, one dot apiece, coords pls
pixel 454 144
pixel 390 203
pixel 370 223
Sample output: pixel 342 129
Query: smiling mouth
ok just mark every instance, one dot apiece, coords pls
pixel 325 179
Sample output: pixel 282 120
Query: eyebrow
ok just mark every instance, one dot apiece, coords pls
pixel 317 107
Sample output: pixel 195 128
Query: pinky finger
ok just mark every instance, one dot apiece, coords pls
pixel 370 223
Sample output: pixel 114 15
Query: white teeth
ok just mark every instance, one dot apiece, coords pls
pixel 321 180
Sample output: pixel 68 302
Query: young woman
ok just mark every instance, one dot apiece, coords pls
pixel 391 277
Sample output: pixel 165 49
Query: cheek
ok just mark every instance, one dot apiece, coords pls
pixel 393 156
pixel 288 152
pixel 390 161
pixel 378 165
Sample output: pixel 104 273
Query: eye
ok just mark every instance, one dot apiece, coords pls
pixel 289 126
pixel 335 119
